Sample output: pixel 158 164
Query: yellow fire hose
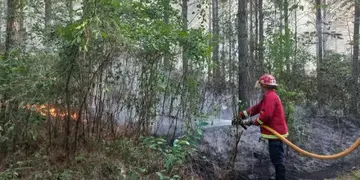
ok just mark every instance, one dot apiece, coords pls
pixel 317 156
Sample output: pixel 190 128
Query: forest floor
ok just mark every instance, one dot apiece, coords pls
pixel 324 135
pixel 128 160
pixel 348 171
pixel 354 175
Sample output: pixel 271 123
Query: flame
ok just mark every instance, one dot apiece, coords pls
pixel 45 110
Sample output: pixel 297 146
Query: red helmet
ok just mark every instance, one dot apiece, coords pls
pixel 266 80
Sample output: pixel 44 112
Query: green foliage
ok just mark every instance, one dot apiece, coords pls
pixel 81 49
pixel 337 82
pixel 9 174
pixel 289 100
pixel 65 175
pixel 154 157
pixel 177 153
pixel 286 62
pixel 280 46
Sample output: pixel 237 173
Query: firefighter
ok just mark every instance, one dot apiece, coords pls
pixel 272 114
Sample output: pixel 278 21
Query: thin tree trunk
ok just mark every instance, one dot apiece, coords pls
pixel 287 35
pixel 22 29
pixel 296 67
pixel 49 126
pixel 222 59
pixel 324 4
pixel 185 28
pixel 216 37
pixel 281 11
pixel 12 27
pixel 68 108
pixel 261 37
pixel 256 45
pixel 319 51
pixel 230 43
pixel 243 51
pixel 47 20
pixel 355 61
pixel 69 5
pixel 2 15
pixel 48 17
pixel 295 33
pixel 210 41
pixel 167 7
pixel 252 41
pixel 183 96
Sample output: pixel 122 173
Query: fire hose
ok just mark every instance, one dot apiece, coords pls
pixel 316 156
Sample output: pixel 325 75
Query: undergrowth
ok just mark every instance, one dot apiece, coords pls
pixel 124 158
pixel 354 175
pixel 296 125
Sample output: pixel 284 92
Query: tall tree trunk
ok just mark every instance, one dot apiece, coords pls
pixel 22 29
pixel 256 31
pixel 230 39
pixel 47 19
pixel 261 38
pixel 12 28
pixel 355 61
pixel 11 43
pixel 295 34
pixel 297 68
pixel 2 15
pixel 69 6
pixel 167 7
pixel 216 37
pixel 319 53
pixel 185 28
pixel 287 35
pixel 243 52
pixel 252 41
pixel 253 52
pixel 222 61
pixel 166 60
pixel 281 14
pixel 210 41
pixel 185 63
pixel 223 31
pixel 324 21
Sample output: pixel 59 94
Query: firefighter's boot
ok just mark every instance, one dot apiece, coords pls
pixel 280 172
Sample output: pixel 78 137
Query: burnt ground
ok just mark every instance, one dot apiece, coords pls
pixel 331 172
pixel 323 135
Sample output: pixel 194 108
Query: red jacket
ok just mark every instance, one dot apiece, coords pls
pixel 271 114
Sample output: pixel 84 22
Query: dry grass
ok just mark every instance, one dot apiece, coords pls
pixel 112 157
pixel 112 152
pixel 354 175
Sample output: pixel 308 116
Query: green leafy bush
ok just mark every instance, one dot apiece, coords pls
pixel 177 153
pixel 295 124
pixel 151 158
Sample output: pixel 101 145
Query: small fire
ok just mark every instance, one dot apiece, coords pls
pixel 47 110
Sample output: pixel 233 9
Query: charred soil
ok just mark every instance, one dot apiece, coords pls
pixel 324 135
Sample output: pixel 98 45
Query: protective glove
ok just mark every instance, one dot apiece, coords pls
pixel 243 115
pixel 236 121
pixel 248 122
